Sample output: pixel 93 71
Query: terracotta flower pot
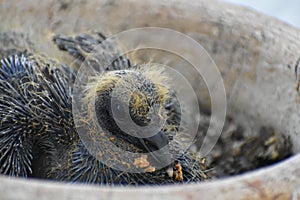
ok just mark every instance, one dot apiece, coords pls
pixel 256 55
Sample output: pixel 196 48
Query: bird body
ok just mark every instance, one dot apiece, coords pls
pixel 38 137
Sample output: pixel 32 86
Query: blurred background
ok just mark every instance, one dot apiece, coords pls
pixel 285 10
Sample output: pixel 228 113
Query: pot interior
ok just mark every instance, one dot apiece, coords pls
pixel 256 55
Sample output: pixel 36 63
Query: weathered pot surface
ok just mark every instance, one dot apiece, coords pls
pixel 256 55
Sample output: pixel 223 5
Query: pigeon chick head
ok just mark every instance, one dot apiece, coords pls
pixel 136 94
pixel 130 105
